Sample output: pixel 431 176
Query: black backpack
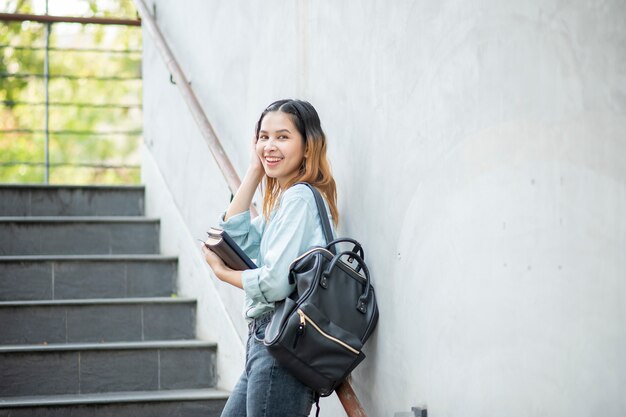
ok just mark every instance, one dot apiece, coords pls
pixel 317 333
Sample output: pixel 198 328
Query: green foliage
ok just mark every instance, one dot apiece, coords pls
pixel 74 139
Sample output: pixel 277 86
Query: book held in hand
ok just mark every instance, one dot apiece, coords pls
pixel 226 248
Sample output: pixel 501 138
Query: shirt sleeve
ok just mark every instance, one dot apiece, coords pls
pixel 287 234
pixel 244 231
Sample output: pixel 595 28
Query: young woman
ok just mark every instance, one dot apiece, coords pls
pixel 289 147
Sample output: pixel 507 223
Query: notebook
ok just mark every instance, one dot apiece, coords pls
pixel 225 247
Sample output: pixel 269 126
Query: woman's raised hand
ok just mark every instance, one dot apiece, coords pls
pixel 256 166
pixel 243 197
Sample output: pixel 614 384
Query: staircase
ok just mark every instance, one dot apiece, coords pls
pixel 88 323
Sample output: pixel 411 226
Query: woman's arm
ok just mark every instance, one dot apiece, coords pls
pixel 290 236
pixel 243 197
pixel 241 230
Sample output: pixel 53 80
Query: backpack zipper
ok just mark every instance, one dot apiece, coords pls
pixel 304 318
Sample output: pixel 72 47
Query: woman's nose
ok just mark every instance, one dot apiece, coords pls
pixel 269 144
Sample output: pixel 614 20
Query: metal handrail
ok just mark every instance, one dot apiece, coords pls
pixel 72 132
pixel 88 50
pixel 66 76
pixel 228 171
pixel 70 104
pixel 65 164
pixel 20 17
pixel 350 401
pixel 346 394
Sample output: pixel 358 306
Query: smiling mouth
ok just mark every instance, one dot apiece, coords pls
pixel 272 160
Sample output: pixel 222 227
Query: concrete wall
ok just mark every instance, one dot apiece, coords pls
pixel 480 153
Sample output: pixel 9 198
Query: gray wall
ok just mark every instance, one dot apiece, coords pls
pixel 480 153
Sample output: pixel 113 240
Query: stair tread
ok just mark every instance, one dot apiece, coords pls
pixel 77 219
pixel 115 397
pixel 150 344
pixel 94 257
pixel 92 301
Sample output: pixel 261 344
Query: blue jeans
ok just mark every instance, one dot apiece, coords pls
pixel 265 389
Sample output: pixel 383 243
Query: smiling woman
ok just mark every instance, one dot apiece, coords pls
pixel 301 120
pixel 289 147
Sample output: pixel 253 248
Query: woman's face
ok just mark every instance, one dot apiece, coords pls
pixel 280 147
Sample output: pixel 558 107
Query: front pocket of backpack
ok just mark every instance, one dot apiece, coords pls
pixel 326 347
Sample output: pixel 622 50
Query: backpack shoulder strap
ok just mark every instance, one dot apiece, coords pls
pixel 321 209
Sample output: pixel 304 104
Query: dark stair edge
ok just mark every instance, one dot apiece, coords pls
pixel 115 397
pixel 89 257
pixel 98 301
pixel 139 187
pixel 149 344
pixel 78 219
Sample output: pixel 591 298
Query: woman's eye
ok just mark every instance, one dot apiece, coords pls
pixel 262 137
pixel 282 137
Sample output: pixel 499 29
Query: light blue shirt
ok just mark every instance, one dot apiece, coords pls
pixel 293 228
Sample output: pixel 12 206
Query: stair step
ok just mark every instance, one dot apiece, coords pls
pixel 189 403
pixel 106 367
pixel 87 324
pixel 68 200
pixel 50 277
pixel 97 320
pixel 78 235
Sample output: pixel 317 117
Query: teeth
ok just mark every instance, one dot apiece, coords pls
pixel 272 159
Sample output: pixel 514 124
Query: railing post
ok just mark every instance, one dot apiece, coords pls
pixel 46 71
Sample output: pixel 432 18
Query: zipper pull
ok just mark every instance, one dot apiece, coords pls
pixel 302 319
pixel 300 330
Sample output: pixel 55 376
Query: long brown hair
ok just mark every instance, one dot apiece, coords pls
pixel 315 168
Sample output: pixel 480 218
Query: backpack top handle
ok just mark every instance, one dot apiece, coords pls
pixel 361 305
